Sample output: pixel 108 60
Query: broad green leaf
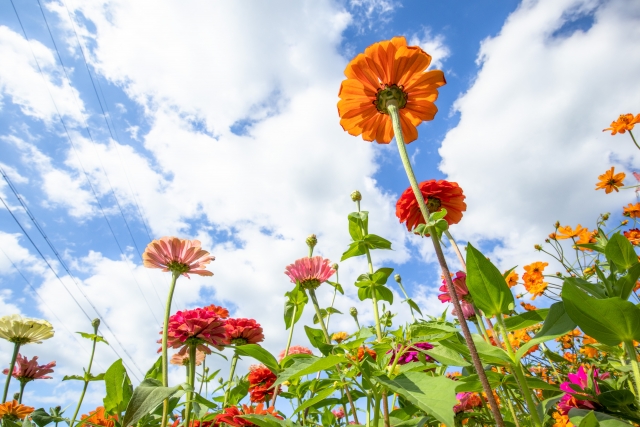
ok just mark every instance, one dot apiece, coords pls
pixel 532 382
pixel 297 299
pixel 614 399
pixel 381 275
pixel 624 285
pixel 41 418
pixel 620 251
pixel 269 421
pixel 383 293
pixel 355 228
pixel 413 305
pixel 544 406
pixel 446 356
pixel 526 319
pixel 336 285
pixel 472 382
pixel 589 420
pixel 238 392
pixel 557 323
pixel 577 415
pixel 355 249
pixel 318 340
pixel 592 288
pixel 426 329
pixel 489 353
pixel 306 366
pixel 119 388
pixel 146 397
pixel 155 372
pixel 315 399
pixel 610 321
pixel 376 242
pixel 434 395
pixel 486 285
pixel 260 354
pixel 91 337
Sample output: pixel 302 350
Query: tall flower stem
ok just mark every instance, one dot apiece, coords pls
pixel 232 371
pixel 22 385
pixel 456 249
pixel 314 300
pixel 165 358
pixel 634 364
pixel 87 374
pixel 634 139
pixel 392 108
pixel 191 381
pixel 286 350
pixel 16 349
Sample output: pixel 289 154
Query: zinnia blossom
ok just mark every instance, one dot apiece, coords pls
pixel 310 272
pixel 571 397
pixel 388 70
pixel 459 281
pixel 338 413
pixel 411 355
pixel 14 410
pixel 261 381
pixel 243 331
pixel 24 330
pixel 199 327
pixel 294 349
pixel 231 416
pixel 222 312
pixel 28 370
pixel 183 359
pixel 179 256
pixel 361 353
pixel 99 417
pixel 437 195
pixel 624 123
pixel 633 235
pixel 610 181
pixel 339 337
pixel 467 401
pixel 632 211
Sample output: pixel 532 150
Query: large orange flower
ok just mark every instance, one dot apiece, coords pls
pixel 14 410
pixel 437 195
pixel 610 181
pixel 632 211
pixel 100 418
pixel 624 123
pixel 388 70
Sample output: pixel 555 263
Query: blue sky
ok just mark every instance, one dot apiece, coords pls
pixel 218 122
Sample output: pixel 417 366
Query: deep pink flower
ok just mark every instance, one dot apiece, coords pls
pixel 460 283
pixel 467 401
pixel 467 309
pixel 411 355
pixel 200 327
pixel 178 256
pixel 310 272
pixel 243 331
pixel 294 349
pixel 28 370
pixel 571 396
pixel 338 413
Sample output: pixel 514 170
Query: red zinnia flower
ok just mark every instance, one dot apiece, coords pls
pixel 222 312
pixel 198 327
pixel 437 195
pixel 261 380
pixel 243 331
pixel 28 370
pixel 178 256
pixel 231 416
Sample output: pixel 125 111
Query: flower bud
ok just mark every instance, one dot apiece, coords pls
pixel 625 222
pixel 95 323
pixel 537 247
pixel 557 224
pixel 547 240
pixel 312 241
pixel 398 278
pixel 356 196
pixel 16 396
pixel 335 266
pixel 353 311
pixel 605 216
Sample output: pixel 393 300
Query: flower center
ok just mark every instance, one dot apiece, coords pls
pixel 433 204
pixel 177 267
pixel 310 284
pixel 239 341
pixel 390 93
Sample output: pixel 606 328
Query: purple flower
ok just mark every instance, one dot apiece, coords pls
pixel 411 355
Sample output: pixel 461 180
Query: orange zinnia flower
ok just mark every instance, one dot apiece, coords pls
pixel 98 417
pixel 633 236
pixel 632 211
pixel 624 123
pixel 388 70
pixel 437 195
pixel 15 410
pixel 567 232
pixel 610 181
pixel 178 256
pixel 222 312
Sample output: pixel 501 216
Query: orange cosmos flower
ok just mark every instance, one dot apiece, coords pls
pixel 633 236
pixel 98 417
pixel 632 211
pixel 534 280
pixel 624 123
pixel 14 410
pixel 561 420
pixel 388 70
pixel 512 279
pixel 610 181
pixel 567 232
pixel 528 307
pixel 178 256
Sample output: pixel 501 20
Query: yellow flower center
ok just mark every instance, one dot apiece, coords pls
pixel 310 284
pixel 177 267
pixel 390 93
pixel 433 204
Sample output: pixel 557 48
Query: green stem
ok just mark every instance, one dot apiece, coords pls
pixel 314 300
pixel 16 349
pixel 234 362
pixel 634 140
pixel 456 250
pixel 165 358
pixel 406 296
pixel 333 300
pixel 192 382
pixel 87 374
pixel 477 363
pixel 513 412
pixel 204 373
pixel 286 350
pixel 634 364
pixel 22 385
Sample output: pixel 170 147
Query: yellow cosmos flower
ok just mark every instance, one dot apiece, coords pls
pixel 24 330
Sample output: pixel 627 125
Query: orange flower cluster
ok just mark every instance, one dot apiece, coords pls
pixel 610 181
pixel 534 280
pixel 543 373
pixel 588 351
pixel 632 211
pixel 633 236
pixel 624 123
pixel 512 279
pixel 561 420
pixel 261 381
pixel 570 357
pixel 568 340
pixel 98 417
pixel 361 351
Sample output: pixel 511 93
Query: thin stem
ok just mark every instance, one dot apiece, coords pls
pixel 333 300
pixel 353 406
pixel 314 300
pixel 406 296
pixel 16 349
pixel 22 385
pixel 192 382
pixel 87 374
pixel 234 362
pixel 456 250
pixel 165 358
pixel 204 373
pixel 513 412
pixel 286 350
pixel 634 364
pixel 634 140
pixel 477 363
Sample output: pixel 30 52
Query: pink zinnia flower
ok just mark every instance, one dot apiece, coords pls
pixel 178 256
pixel 183 359
pixel 199 327
pixel 571 397
pixel 294 349
pixel 310 272
pixel 338 413
pixel 459 282
pixel 243 331
pixel 28 370
pixel 411 355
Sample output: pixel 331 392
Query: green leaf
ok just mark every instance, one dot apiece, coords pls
pixel 610 321
pixel 383 294
pixel 119 389
pixel 381 275
pixel 146 397
pixel 238 392
pixel 491 354
pixel 269 421
pixel 589 421
pixel 472 382
pixel 315 399
pixel 532 382
pixel 296 299
pixel 429 328
pixel 355 228
pixel 91 337
pixel 355 249
pixel 413 305
pixel 336 285
pixel 620 251
pixel 577 415
pixel 625 284
pixel 446 356
pixel 434 395
pixel 308 365
pixel 72 377
pixel 486 285
pixel 614 399
pixel 155 372
pixel 42 418
pixel 592 288
pixel 376 242
pixel 317 339
pixel 260 354
pixel 526 319
pixel 557 323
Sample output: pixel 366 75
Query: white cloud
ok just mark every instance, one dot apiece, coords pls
pixel 433 45
pixel 529 146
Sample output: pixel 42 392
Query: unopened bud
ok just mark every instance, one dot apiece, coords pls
pixel 335 266
pixel 220 380
pixel 312 241
pixel 537 247
pixel 398 278
pixel 95 323
pixel 16 396
pixel 356 196
pixel 353 311
pixel 547 240
pixel 625 222
pixel 557 224
pixel 605 216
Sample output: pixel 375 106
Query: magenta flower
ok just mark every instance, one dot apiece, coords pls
pixel 460 283
pixel 178 256
pixel 467 401
pixel 243 331
pixel 411 355
pixel 338 413
pixel 29 370
pixel 199 327
pixel 294 349
pixel 571 396
pixel 310 272
pixel 467 309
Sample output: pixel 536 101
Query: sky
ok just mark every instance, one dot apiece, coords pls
pixel 121 122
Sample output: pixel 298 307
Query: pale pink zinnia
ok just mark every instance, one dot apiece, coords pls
pixel 28 370
pixel 338 413
pixel 243 331
pixel 294 349
pixel 183 359
pixel 178 256
pixel 310 272
pixel 199 327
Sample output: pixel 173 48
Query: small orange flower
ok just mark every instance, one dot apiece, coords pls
pixel 388 70
pixel 585 237
pixel 633 236
pixel 588 351
pixel 528 307
pixel 567 232
pixel 512 279
pixel 339 337
pixel 222 312
pixel 98 417
pixel 624 123
pixel 534 280
pixel 561 420
pixel 632 211
pixel 15 410
pixel 610 181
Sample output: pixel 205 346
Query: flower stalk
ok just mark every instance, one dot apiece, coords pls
pixel 633 357
pixel 16 349
pixel 392 108
pixel 165 357
pixel 191 380
pixel 87 374
pixel 232 371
